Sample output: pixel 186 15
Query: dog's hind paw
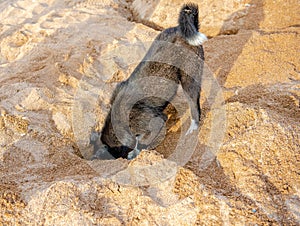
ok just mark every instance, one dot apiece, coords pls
pixel 193 127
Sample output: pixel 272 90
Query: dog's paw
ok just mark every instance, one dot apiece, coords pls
pixel 193 127
pixel 131 155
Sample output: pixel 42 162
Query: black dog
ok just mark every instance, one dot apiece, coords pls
pixel 136 118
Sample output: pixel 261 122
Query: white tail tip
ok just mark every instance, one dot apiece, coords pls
pixel 197 39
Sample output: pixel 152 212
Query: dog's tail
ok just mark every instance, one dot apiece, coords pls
pixel 189 25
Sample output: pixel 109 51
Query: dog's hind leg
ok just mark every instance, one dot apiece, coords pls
pixel 192 90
